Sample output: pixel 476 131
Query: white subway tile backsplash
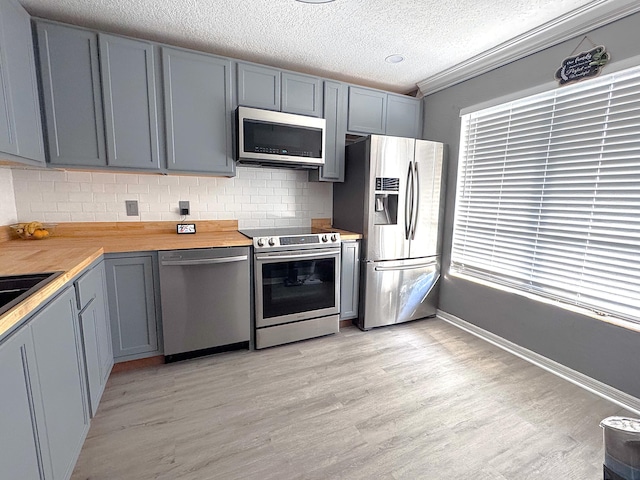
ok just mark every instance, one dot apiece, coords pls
pixel 78 177
pixel 256 197
pixel 137 188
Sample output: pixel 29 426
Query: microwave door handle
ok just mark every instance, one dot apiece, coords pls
pixel 416 180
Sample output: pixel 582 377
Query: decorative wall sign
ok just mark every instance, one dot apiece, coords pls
pixel 583 65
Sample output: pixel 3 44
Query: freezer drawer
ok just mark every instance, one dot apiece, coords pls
pixel 399 291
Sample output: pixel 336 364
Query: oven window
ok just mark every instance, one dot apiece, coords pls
pixel 298 286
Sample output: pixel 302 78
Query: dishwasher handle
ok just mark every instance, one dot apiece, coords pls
pixel 204 261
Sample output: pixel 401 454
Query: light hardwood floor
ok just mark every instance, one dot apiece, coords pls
pixel 422 400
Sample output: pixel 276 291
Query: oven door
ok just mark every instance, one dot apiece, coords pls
pixel 296 285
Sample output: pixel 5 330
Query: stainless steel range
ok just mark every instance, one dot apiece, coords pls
pixel 297 284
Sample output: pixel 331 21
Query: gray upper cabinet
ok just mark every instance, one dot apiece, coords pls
pixel 377 112
pixel 258 86
pixel 56 339
pixel 132 286
pixel 349 279
pixel 272 89
pixel 20 452
pixel 404 116
pixel 301 94
pixel 96 333
pixel 130 105
pixel 198 112
pixel 335 113
pixel 20 125
pixel 72 95
pixel 367 111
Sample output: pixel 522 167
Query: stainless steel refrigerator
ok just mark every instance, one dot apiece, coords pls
pixel 393 195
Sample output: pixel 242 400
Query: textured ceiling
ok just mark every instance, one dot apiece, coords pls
pixel 346 39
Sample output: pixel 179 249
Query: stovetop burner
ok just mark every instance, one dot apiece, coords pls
pixel 290 238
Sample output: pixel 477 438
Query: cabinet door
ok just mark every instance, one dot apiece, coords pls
pixel 197 92
pixel 258 86
pixel 96 334
pixel 349 280
pixel 335 113
pixel 131 288
pixel 367 110
pixel 20 454
pixel 72 95
pixel 301 94
pixel 129 89
pixel 404 116
pixel 57 343
pixel 21 128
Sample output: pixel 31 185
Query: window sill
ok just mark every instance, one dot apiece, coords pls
pixel 618 322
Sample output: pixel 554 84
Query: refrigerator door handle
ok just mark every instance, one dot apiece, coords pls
pixel 408 203
pixel 404 267
pixel 414 222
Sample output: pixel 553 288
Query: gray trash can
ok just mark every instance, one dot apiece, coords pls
pixel 621 448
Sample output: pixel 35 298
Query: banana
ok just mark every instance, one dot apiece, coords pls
pixel 32 227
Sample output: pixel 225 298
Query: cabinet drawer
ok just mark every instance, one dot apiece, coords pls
pixel 88 286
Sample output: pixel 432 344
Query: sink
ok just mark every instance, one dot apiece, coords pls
pixel 15 288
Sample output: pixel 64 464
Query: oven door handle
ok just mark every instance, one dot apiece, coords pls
pixel 298 256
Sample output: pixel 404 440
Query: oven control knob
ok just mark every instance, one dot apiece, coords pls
pixel 334 238
pixel 272 242
pixel 324 238
pixel 260 242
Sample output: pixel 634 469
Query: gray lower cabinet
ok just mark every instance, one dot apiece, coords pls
pixel 272 89
pixel 91 293
pixel 132 290
pixel 349 279
pixel 198 112
pixel 21 455
pixel 128 75
pixel 20 125
pixel 60 374
pixel 335 114
pixel 70 76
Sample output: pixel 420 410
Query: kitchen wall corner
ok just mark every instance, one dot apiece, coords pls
pixel 256 197
pixel 8 212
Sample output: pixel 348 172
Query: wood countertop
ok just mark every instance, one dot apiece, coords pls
pixel 74 246
pixel 17 260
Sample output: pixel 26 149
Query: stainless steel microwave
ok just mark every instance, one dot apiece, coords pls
pixel 280 139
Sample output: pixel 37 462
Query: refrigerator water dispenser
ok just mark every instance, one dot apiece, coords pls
pixel 385 209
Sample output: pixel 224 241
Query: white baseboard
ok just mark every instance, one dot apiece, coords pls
pixel 603 390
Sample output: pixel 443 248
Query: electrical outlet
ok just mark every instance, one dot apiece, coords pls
pixel 132 208
pixel 183 207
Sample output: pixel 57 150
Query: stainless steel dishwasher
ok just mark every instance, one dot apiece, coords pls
pixel 206 301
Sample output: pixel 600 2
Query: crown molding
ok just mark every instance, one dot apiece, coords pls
pixel 573 24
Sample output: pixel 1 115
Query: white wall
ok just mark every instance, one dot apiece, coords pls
pixel 8 213
pixel 256 197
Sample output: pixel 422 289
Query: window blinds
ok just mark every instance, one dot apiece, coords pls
pixel 548 195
